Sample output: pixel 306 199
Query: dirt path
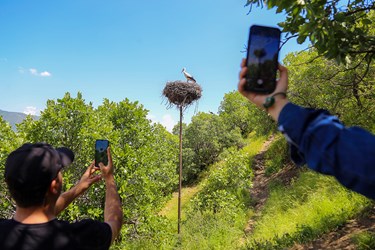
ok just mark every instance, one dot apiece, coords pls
pixel 259 192
pixel 341 238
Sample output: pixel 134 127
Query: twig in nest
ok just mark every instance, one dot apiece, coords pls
pixel 182 94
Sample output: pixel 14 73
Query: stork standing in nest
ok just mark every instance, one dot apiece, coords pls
pixel 188 76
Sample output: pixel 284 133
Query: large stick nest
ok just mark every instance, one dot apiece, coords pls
pixel 182 94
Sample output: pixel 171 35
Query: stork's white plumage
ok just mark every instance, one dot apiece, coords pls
pixel 188 76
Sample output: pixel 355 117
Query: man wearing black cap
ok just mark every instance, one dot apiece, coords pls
pixel 34 179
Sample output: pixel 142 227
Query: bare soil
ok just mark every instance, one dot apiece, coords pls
pixel 340 238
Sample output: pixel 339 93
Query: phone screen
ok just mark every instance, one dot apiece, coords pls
pixel 101 152
pixel 262 59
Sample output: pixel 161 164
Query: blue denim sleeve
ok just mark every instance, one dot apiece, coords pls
pixel 322 142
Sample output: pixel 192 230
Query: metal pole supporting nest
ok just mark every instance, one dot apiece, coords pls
pixel 182 94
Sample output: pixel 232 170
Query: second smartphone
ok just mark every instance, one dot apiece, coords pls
pixel 262 59
pixel 101 155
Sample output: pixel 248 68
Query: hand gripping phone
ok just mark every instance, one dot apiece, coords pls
pixel 101 152
pixel 262 59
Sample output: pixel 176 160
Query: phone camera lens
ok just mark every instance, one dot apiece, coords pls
pixel 260 81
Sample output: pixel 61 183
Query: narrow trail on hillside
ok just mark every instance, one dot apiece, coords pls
pixel 259 192
pixel 341 238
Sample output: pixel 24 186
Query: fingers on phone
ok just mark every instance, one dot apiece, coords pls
pixel 109 155
pixel 243 62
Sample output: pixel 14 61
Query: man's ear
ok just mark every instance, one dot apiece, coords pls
pixel 55 186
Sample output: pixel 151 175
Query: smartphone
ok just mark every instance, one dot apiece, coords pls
pixel 101 152
pixel 262 59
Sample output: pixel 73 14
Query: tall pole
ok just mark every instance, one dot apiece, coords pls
pixel 180 176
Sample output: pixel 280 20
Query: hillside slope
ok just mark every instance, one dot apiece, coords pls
pixel 342 237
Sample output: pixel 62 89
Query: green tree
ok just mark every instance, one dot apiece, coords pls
pixel 346 91
pixel 8 142
pixel 237 112
pixel 69 122
pixel 146 158
pixel 339 30
pixel 145 155
pixel 204 139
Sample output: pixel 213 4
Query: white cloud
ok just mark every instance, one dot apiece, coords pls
pixel 30 110
pixel 45 74
pixel 35 72
pixel 167 121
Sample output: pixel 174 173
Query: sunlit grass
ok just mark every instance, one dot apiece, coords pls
pixel 213 231
pixel 171 208
pixel 276 155
pixel 312 205
pixel 253 144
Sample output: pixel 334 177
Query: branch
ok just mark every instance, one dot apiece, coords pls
pixel 366 71
pixel 349 13
pixel 310 61
pixel 287 39
pixel 345 70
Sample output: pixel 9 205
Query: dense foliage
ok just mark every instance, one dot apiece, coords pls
pixel 203 140
pixel 8 142
pixel 237 112
pixel 346 91
pixel 340 30
pixel 145 155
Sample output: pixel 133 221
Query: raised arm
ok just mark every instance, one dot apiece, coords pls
pixel 112 209
pixel 321 140
pixel 87 179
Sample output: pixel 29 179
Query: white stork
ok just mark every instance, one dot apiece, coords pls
pixel 188 76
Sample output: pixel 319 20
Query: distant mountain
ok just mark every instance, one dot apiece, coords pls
pixel 14 118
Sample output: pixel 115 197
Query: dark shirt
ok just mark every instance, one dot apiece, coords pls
pixel 327 146
pixel 54 235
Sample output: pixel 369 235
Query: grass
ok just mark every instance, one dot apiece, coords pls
pixel 276 155
pixel 364 240
pixel 254 145
pixel 312 205
pixel 201 229
pixel 170 210
pixel 213 231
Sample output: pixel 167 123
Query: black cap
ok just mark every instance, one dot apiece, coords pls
pixel 35 165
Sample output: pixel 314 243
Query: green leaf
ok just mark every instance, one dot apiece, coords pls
pixel 301 39
pixel 366 21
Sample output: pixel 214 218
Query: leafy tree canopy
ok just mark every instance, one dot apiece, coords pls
pixel 339 30
pixel 346 91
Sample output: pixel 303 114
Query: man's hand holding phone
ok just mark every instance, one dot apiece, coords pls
pixel 107 170
pixel 258 71
pixel 262 59
pixel 259 98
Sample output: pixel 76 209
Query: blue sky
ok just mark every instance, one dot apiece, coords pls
pixel 119 49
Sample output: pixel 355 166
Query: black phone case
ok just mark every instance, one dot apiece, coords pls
pixel 101 152
pixel 262 59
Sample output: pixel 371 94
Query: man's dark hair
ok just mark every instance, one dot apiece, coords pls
pixel 27 197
